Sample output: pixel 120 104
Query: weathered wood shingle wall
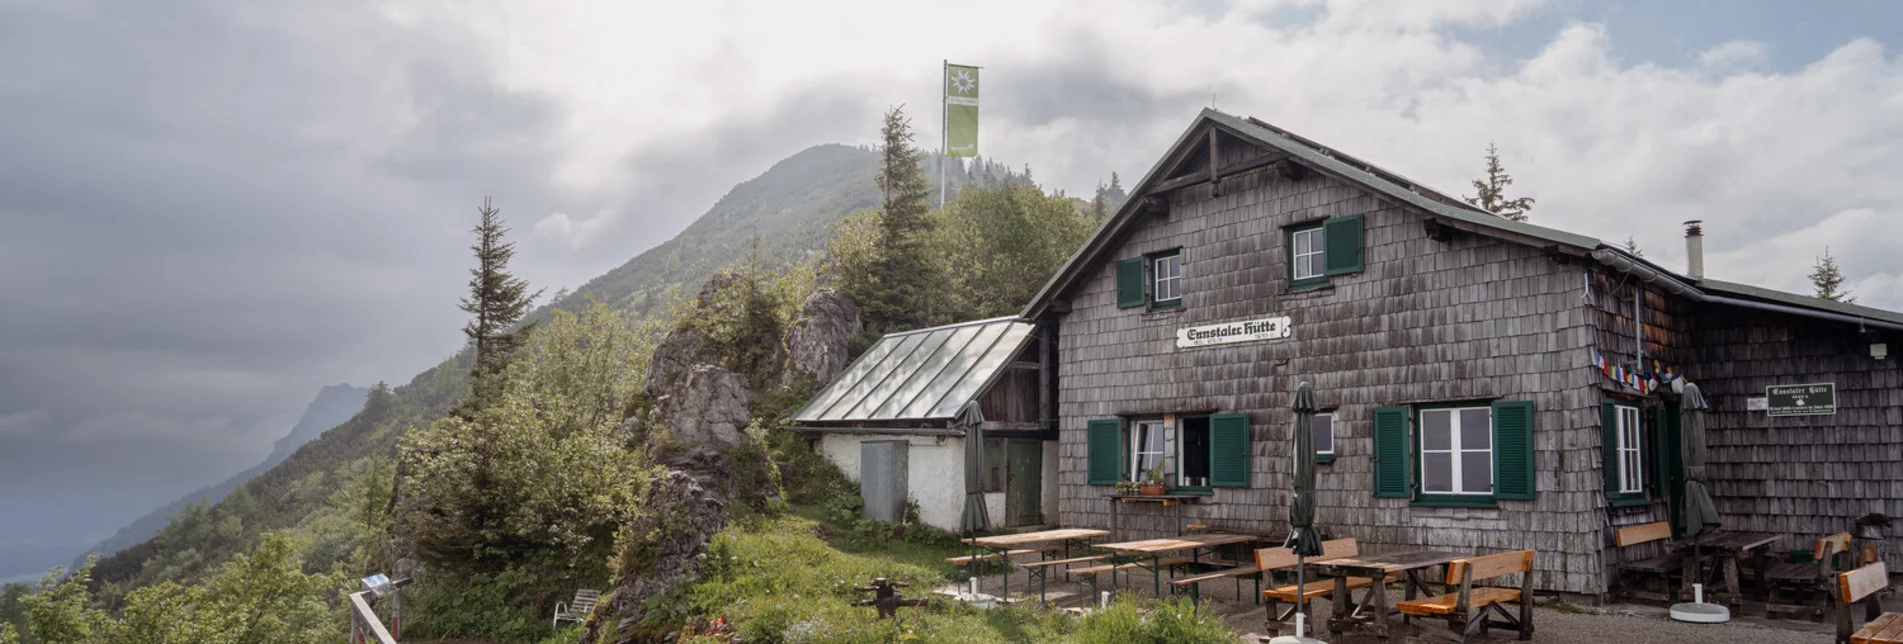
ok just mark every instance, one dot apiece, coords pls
pixel 1666 338
pixel 1427 321
pixel 1808 476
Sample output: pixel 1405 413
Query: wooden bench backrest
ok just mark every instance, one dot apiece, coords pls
pixel 1634 535
pixel 1278 558
pixel 1489 566
pixel 1862 582
pixel 1830 546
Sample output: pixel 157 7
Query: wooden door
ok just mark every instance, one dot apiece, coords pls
pixel 1024 483
pixel 1668 458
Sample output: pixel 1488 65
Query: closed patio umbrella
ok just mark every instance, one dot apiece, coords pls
pixel 1700 515
pixel 976 518
pixel 1302 538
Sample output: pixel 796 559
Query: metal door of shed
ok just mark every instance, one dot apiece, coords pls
pixel 882 472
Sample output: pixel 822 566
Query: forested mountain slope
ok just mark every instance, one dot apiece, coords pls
pixel 334 405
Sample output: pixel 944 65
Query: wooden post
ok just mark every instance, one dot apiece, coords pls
pixel 1215 180
pixel 1046 354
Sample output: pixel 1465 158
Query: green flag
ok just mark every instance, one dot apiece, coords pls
pixel 961 111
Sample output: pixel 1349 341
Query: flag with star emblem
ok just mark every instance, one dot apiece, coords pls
pixel 961 110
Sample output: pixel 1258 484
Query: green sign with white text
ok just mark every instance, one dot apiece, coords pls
pixel 1818 399
pixel 961 111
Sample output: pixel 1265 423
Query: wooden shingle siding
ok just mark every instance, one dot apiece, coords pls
pixel 1472 318
pixel 1808 476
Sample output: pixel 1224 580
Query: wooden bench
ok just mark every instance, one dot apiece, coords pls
pixel 1467 610
pixel 1269 560
pixel 1113 568
pixel 1194 583
pixel 577 610
pixel 1662 566
pixel 1828 557
pixel 1003 557
pixel 1862 585
pixel 1041 569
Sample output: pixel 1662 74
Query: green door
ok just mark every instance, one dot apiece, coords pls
pixel 1024 487
pixel 1669 462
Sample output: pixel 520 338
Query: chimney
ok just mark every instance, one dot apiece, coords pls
pixel 1694 250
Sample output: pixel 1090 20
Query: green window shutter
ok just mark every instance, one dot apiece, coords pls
pixel 1230 450
pixel 1609 447
pixel 1132 275
pixel 1513 450
pixel 1342 243
pixel 1392 453
pixel 1105 443
pixel 1661 417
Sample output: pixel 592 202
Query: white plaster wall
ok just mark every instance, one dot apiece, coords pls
pixel 935 473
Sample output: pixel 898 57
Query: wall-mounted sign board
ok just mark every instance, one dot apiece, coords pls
pixel 1268 328
pixel 1819 399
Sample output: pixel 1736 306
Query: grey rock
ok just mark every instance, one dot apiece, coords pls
pixel 816 344
pixel 708 407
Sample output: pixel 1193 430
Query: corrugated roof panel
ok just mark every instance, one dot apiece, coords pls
pixel 900 372
pixel 989 364
pixel 960 363
pixel 955 341
pixel 896 359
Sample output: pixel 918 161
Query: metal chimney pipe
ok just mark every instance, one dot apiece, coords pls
pixel 1694 249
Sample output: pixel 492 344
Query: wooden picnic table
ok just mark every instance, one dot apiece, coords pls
pixel 1154 549
pixel 1729 548
pixel 1004 543
pixel 1408 564
pixel 1167 500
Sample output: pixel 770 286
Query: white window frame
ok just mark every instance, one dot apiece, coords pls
pixel 1456 481
pixel 1136 442
pixel 1158 279
pixel 1332 435
pixel 1631 457
pixel 1296 259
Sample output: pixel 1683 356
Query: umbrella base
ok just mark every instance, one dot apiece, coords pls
pixel 1700 613
pixel 1291 639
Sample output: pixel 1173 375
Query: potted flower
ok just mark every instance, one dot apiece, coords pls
pixel 1152 481
pixel 1127 488
pixel 1870 526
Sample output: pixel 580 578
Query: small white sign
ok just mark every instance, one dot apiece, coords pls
pixel 1269 328
pixel 1757 403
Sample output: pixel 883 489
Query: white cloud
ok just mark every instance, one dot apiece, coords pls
pixel 1609 148
pixel 25 423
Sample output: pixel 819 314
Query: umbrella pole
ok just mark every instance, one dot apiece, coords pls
pixel 1301 594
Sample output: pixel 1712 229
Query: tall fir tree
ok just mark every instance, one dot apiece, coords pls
pixel 1632 246
pixel 894 300
pixel 498 300
pixel 1829 279
pixel 1490 193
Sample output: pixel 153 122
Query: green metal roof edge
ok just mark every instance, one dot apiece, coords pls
pixel 1385 186
pixel 1794 299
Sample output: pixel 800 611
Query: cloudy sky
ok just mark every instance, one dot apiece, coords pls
pixel 210 208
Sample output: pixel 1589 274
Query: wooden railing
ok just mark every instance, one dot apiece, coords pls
pixel 366 627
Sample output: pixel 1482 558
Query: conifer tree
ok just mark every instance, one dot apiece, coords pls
pixel 1829 280
pixel 1632 246
pixel 893 299
pixel 498 299
pixel 1490 193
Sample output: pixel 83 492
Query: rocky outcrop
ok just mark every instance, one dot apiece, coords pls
pixel 709 405
pixel 660 549
pixel 816 344
pixel 674 357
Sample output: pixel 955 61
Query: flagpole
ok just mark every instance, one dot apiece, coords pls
pixel 944 127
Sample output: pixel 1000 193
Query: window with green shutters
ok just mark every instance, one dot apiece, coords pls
pixel 1231 450
pixel 1154 280
pixel 1623 454
pixel 1104 442
pixel 1321 249
pixel 1132 283
pixel 1455 455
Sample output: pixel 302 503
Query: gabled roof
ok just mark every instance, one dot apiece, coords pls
pixel 927 374
pixel 1311 155
pixel 1392 186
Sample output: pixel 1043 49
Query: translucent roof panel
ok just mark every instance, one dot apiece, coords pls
pixel 928 374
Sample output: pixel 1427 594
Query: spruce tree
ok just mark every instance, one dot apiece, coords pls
pixel 1829 280
pixel 895 298
pixel 498 300
pixel 1632 246
pixel 1490 193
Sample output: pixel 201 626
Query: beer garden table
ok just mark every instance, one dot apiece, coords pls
pixel 1154 549
pixel 1729 547
pixel 1409 564
pixel 1003 543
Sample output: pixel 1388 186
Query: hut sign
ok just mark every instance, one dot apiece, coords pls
pixel 1269 328
pixel 1801 400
